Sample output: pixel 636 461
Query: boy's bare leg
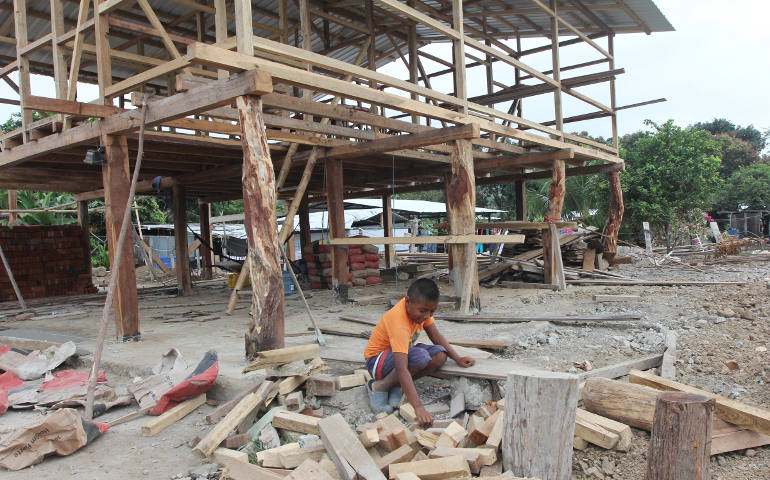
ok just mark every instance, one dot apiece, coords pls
pixel 391 379
pixel 435 363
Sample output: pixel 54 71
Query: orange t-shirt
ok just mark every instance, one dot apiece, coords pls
pixel 395 331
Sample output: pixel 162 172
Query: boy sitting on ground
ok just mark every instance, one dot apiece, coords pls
pixel 394 362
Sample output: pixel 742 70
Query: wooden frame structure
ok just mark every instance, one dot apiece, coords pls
pixel 279 99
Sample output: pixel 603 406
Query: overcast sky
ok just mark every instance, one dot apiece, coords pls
pixel 714 65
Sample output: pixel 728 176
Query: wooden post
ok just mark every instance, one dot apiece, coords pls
pixel 613 98
pixel 458 55
pixel 22 62
pixel 647 235
pixel 183 280
pixel 305 239
pixel 555 203
pixel 85 235
pixel 13 204
pixel 220 28
pixel 539 424
pixel 259 203
pixel 680 442
pixel 204 210
pixel 387 226
pixel 556 69
pixel 336 208
pixel 461 215
pixel 116 189
pixel 521 200
pixel 614 219
pixel 103 59
pixel 244 30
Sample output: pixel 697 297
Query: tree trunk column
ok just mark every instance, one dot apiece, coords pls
pixel 461 214
pixel 387 227
pixel 266 327
pixel 539 424
pixel 680 443
pixel 183 280
pixel 555 203
pixel 336 208
pixel 204 210
pixel 615 218
pixel 117 183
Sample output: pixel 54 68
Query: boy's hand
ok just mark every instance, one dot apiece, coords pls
pixel 466 362
pixel 423 417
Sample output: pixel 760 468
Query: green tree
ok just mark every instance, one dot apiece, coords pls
pixel 735 153
pixel 29 200
pixel 748 134
pixel 748 187
pixel 669 172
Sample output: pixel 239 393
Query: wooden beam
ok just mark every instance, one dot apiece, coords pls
pixel 336 209
pixel 217 93
pixel 387 227
pixel 20 29
pixel 158 424
pixel 446 239
pixel 207 254
pixel 399 142
pixel 266 326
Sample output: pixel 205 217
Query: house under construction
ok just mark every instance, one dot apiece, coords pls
pixel 272 99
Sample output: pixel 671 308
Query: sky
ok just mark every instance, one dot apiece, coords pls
pixel 715 65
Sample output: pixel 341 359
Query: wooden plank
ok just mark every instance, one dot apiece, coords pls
pixel 446 239
pixel 480 434
pixel 346 451
pixel 668 364
pixel 250 402
pixel 157 425
pixel 733 411
pixel 433 469
pixel 224 456
pixel 616 298
pixel 589 260
pixel 281 356
pixel 621 369
pixel 653 283
pixel 398 142
pixel 740 440
pixel 597 423
pixel 307 470
pixel 296 422
pixel 535 318
pixel 496 435
pixel 404 453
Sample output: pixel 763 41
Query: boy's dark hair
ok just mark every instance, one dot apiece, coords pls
pixel 423 289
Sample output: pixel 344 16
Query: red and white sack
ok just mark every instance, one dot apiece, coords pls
pixel 372 264
pixel 370 249
pixel 373 280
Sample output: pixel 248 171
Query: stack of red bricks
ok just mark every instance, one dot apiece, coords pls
pixel 45 261
pixel 363 265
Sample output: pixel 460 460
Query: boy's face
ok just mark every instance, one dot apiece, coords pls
pixel 419 310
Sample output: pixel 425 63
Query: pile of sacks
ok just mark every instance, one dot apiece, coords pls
pixel 363 265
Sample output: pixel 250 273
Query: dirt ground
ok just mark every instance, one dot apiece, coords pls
pixel 714 324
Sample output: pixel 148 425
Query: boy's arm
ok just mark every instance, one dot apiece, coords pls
pixel 401 361
pixel 438 339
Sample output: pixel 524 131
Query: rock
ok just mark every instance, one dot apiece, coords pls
pixel 594 472
pixel 207 470
pixel 731 365
pixel 750 452
pixel 749 316
pixel 760 349
pixel 309 441
pixel 99 272
pixel 269 438
pixel 608 467
pixel 726 312
pixel 721 461
pixel 476 391
pixel 720 320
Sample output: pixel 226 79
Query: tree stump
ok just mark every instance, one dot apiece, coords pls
pixel 539 424
pixel 680 443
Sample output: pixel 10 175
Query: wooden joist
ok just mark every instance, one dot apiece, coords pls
pixel 445 239
pixel 274 358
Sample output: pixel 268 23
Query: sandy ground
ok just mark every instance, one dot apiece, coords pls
pixel 714 324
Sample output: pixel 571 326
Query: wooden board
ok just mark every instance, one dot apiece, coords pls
pixel 445 239
pixel 621 369
pixel 296 422
pixel 535 318
pixel 274 358
pixel 346 451
pixel 434 469
pixel 733 411
pixel 157 425
pixel 223 409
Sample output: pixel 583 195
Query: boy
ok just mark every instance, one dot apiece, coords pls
pixel 393 360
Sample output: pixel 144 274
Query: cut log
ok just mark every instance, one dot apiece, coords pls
pixel 274 358
pixel 680 442
pixel 433 469
pixel 732 411
pixel 402 454
pixel 221 430
pixel 626 403
pixel 347 453
pixel 588 420
pixel 528 433
pixel 296 422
